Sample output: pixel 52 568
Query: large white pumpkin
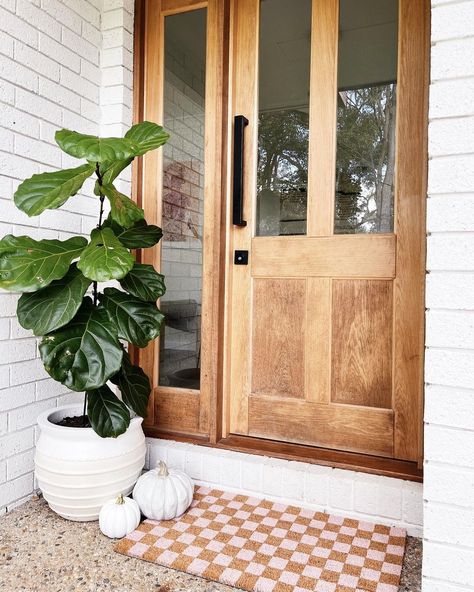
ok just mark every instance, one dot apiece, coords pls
pixel 119 517
pixel 163 493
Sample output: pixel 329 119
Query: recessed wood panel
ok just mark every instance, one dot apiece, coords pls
pixel 340 427
pixel 278 333
pixel 177 410
pixel 362 343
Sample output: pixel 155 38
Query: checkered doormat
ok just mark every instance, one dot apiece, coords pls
pixel 263 546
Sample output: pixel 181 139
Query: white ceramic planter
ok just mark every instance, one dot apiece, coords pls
pixel 78 471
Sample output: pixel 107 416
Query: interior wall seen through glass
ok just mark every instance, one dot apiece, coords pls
pixel 366 116
pixel 183 198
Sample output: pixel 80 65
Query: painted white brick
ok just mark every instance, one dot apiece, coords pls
pixel 413 503
pixel 21 464
pixel 36 61
pixel 18 488
pixel 15 443
pixel 341 490
pixel 317 485
pixel 23 372
pixel 449 406
pixel 17 74
pixel 273 477
pixel 83 47
pixel 449 445
pixel 451 213
pixel 430 585
pixel 451 252
pixel 193 463
pixel 16 351
pixel 451 174
pixel 59 53
pixel 450 290
pixel 440 560
pixel 449 485
pixel 230 473
pixel 64 15
pixel 29 13
pixel 451 98
pixel 451 22
pixel 294 475
pixel 211 466
pixel 450 329
pixel 451 136
pixel 449 524
pixel 452 59
pixel 17 396
pixel 4 328
pixel 450 367
pixel 252 473
pixel 18 28
pixel 24 417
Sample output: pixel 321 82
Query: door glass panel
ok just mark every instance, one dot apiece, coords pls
pixel 367 80
pixel 183 198
pixel 283 130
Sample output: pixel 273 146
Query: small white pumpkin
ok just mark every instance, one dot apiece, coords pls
pixel 119 517
pixel 162 493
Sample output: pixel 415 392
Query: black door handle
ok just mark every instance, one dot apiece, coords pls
pixel 240 122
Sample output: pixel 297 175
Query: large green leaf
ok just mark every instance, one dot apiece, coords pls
pixel 144 282
pixel 108 416
pixel 134 385
pixel 50 190
pixel 111 170
pixel 53 306
pixel 136 321
pixel 122 209
pixel 140 236
pixel 105 258
pixel 27 265
pixel 147 135
pixel 85 353
pixel 95 149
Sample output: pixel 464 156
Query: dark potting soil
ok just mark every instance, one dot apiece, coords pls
pixel 79 421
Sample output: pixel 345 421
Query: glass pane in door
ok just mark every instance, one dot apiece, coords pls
pixel 366 116
pixel 183 198
pixel 283 125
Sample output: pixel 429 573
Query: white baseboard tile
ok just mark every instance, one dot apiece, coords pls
pixel 375 498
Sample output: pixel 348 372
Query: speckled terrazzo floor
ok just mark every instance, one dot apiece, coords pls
pixel 39 551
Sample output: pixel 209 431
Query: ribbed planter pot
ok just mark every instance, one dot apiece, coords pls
pixel 78 471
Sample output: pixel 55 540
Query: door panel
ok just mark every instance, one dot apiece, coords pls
pixel 314 320
pixel 362 343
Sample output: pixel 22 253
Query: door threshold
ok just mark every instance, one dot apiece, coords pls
pixel 340 459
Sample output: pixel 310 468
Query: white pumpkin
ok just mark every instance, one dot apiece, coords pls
pixel 119 517
pixel 163 493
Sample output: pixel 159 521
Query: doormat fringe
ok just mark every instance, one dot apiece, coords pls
pixel 262 546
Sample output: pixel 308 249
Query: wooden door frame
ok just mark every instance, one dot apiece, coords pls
pixel 203 423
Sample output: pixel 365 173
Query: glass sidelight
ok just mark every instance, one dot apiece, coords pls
pixel 366 116
pixel 183 198
pixel 283 117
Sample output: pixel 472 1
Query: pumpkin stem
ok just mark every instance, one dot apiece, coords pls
pixel 163 469
pixel 119 501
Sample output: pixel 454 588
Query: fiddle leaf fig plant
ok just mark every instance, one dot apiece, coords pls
pixel 82 326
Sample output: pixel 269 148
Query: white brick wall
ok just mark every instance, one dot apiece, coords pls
pixel 63 63
pixel 449 407
pixel 347 493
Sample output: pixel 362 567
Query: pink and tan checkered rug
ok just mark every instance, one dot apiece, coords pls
pixel 261 546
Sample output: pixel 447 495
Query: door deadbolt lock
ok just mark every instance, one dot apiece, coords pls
pixel 241 257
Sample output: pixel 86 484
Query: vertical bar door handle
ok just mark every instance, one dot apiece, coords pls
pixel 240 122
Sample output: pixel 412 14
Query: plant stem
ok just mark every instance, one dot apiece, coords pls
pixel 101 214
pixel 84 412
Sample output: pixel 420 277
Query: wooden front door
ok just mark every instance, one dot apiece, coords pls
pixel 325 320
pixel 292 200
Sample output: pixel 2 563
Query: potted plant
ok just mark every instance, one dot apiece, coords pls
pixel 86 455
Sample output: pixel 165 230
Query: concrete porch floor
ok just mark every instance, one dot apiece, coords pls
pixel 39 551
